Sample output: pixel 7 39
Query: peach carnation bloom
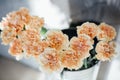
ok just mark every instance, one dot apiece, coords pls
pixel 105 50
pixel 35 49
pixel 31 42
pixel 88 28
pixel 81 45
pixel 30 36
pixel 57 39
pixel 17 19
pixel 106 32
pixel 36 23
pixel 71 60
pixel 16 48
pixel 24 15
pixel 8 35
pixel 50 61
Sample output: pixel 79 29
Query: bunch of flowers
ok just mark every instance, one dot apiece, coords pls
pixel 55 51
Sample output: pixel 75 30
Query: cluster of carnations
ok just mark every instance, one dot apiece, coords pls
pixel 21 31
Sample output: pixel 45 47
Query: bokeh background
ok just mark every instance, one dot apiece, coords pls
pixel 61 14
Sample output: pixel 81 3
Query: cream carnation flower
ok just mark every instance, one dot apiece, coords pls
pixel 81 45
pixel 30 36
pixel 50 61
pixel 31 42
pixel 16 48
pixel 105 50
pixel 106 32
pixel 35 49
pixel 35 23
pixel 71 59
pixel 17 19
pixel 42 45
pixel 57 39
pixel 88 28
pixel 8 35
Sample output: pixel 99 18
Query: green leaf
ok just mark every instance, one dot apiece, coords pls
pixel 43 31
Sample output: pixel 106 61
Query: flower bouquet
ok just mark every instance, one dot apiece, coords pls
pixel 54 50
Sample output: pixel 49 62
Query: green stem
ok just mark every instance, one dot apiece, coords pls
pixel 92 58
pixel 85 63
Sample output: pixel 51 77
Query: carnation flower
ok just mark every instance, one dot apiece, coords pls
pixel 31 42
pixel 71 59
pixel 50 61
pixel 57 39
pixel 87 28
pixel 36 23
pixel 17 19
pixel 35 49
pixel 81 45
pixel 16 47
pixel 106 32
pixel 8 35
pixel 105 50
pixel 30 36
pixel 25 16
